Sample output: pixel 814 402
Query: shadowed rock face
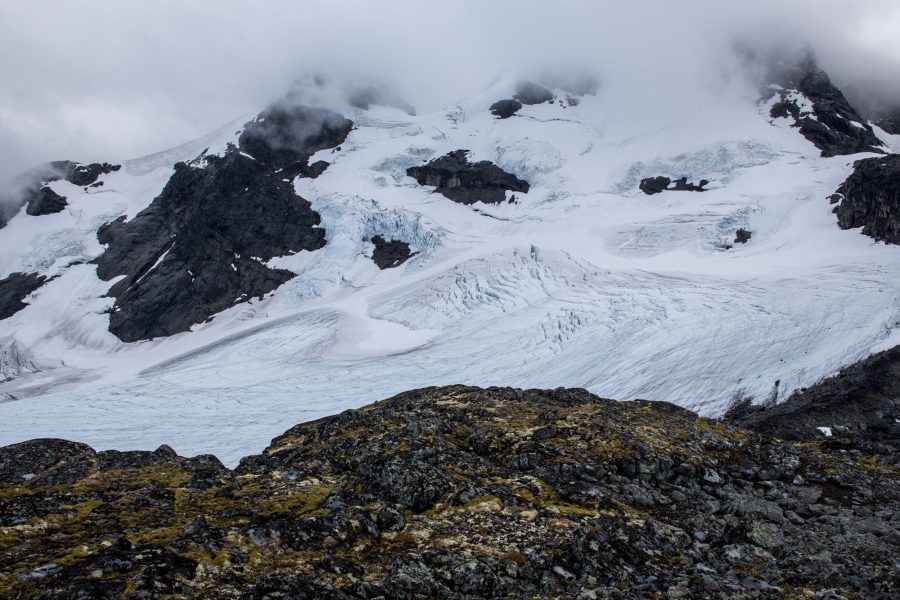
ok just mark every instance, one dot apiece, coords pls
pixel 505 108
pixel 890 121
pixel 656 185
pixel 870 198
pixel 45 202
pixel 467 183
pixel 200 246
pixel 532 93
pixel 458 493
pixel 833 126
pixel 85 175
pixel 860 405
pixel 14 289
pixel 284 137
pixel 390 254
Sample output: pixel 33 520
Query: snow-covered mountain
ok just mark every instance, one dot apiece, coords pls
pixel 326 254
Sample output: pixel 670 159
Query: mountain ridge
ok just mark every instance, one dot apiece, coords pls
pixel 576 282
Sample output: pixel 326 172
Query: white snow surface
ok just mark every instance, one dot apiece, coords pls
pixel 584 282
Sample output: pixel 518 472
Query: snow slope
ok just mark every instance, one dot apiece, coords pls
pixel 584 282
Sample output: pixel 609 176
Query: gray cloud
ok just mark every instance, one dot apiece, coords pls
pixel 105 80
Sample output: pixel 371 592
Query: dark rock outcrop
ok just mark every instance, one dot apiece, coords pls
pixel 861 403
pixel 467 183
pixel 870 198
pixel 390 254
pixel 39 199
pixel 45 201
pixel 460 493
pixel 528 92
pixel 75 173
pixel 285 137
pixel 656 185
pixel 14 289
pixel 200 246
pixel 85 175
pixel 742 236
pixel 889 121
pixel 834 126
pixel 505 108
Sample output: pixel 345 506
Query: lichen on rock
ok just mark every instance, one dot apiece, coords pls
pixel 460 493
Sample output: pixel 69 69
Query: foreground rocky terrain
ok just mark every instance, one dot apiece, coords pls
pixel 461 492
pixel 860 405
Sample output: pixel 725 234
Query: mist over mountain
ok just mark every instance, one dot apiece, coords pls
pixel 100 80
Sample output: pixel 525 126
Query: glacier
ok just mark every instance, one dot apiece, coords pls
pixel 584 282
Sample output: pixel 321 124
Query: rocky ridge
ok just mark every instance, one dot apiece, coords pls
pixel 462 493
pixel 201 245
pixel 822 113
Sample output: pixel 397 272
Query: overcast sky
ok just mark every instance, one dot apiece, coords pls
pixel 109 79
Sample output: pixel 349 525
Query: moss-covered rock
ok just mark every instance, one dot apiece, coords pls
pixel 458 492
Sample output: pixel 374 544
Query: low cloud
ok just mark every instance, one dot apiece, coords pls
pixel 98 80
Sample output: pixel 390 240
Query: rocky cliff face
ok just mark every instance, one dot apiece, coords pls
pixel 870 198
pixel 14 289
pixel 201 245
pixel 822 113
pixel 889 121
pixel 460 492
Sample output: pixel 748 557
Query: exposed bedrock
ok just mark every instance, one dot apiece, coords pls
pixel 39 199
pixel 889 121
pixel 861 404
pixel 201 245
pixel 528 92
pixel 45 201
pixel 390 253
pixel 285 137
pixel 835 127
pixel 459 493
pixel 870 198
pixel 85 175
pixel 467 183
pixel 14 289
pixel 656 185
pixel 504 109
